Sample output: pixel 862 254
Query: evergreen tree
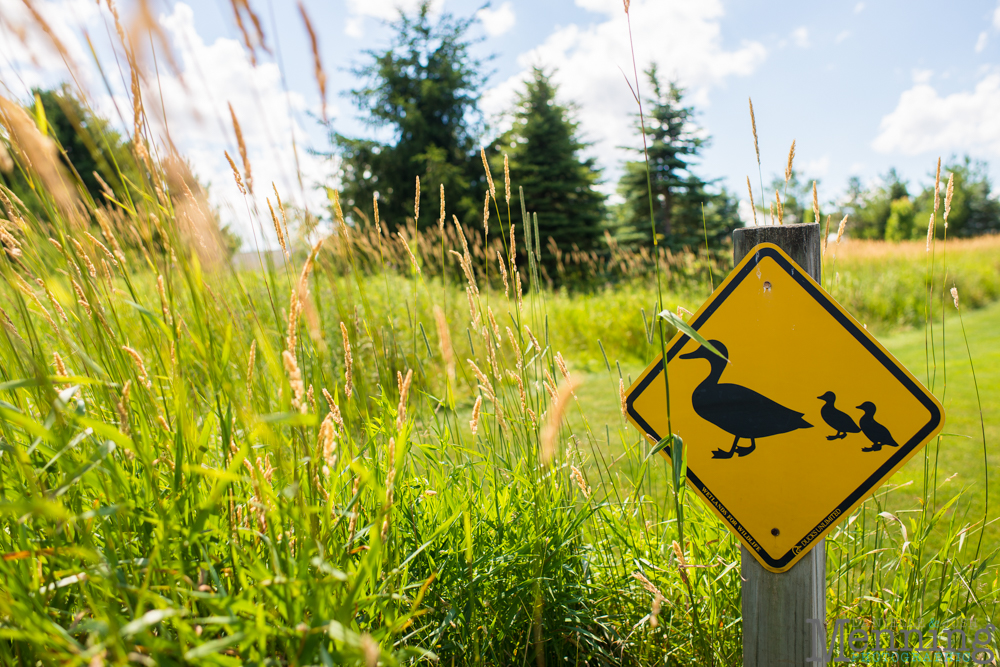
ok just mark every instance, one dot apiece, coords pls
pixel 425 87
pixel 673 143
pixel 544 149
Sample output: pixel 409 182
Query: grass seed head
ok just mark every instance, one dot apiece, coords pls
pixel 954 296
pixel 753 207
pixel 295 381
pixel 489 176
pixel 791 158
pixel 474 422
pixel 348 363
pixel 840 229
pixel 753 126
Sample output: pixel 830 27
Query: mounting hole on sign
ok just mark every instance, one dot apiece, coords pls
pixel 767 285
pixel 775 532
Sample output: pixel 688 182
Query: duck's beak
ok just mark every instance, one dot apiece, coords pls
pixel 859 407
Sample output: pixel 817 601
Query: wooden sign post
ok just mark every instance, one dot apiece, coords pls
pixel 792 414
pixel 778 605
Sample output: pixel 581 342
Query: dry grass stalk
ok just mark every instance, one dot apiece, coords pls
pixel 122 407
pixel 403 384
pixel 580 481
pixel 753 207
pixel 503 274
pixel 327 441
pixel 622 402
pixel 103 248
pixel 550 432
pixel 489 176
pixel 390 484
pixel 937 203
pixel 531 336
pixel 243 149
pixel 954 296
pixel 444 341
pixel 506 178
pixel 647 584
pixel 416 204
pixel 826 235
pixel 86 258
pixel 409 252
pixel 486 218
pixel 318 71
pixel 236 174
pixel 753 125
pixel 518 357
pixel 816 217
pixel 682 565
pixel 949 191
pixel 654 612
pixel 140 366
pixel 52 299
pixel 252 42
pixel 780 208
pixel 277 229
pixel 334 409
pixel 281 209
pixel 164 304
pixel 520 388
pixel 295 380
pixel 441 217
pixel 840 229
pixel 474 422
pixel 348 363
pixel 250 368
pixel 81 298
pixel 788 167
pixel 60 366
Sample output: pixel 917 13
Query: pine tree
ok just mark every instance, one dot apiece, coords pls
pixel 544 149
pixel 425 88
pixel 673 142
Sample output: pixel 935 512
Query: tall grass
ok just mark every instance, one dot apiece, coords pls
pixel 346 457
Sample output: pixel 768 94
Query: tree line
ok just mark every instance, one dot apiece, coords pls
pixel 423 92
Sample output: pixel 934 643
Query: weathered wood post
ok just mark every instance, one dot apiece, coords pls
pixel 776 607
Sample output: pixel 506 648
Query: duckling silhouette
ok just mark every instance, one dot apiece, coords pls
pixel 839 421
pixel 737 410
pixel 878 434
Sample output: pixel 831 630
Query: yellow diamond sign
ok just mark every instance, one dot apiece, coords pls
pixel 806 420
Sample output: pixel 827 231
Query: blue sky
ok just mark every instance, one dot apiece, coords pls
pixel 861 86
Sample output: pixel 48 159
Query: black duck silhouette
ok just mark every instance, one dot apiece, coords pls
pixel 839 421
pixel 878 434
pixel 737 410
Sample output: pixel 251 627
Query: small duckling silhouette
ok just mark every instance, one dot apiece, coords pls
pixel 839 421
pixel 737 410
pixel 878 434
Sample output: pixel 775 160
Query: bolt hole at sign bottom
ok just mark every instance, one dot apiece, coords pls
pixel 775 532
pixel 767 285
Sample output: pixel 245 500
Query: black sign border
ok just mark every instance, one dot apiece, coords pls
pixel 870 484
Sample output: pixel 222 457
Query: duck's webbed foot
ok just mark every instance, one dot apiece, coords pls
pixel 876 446
pixel 743 451
pixel 838 436
pixel 720 454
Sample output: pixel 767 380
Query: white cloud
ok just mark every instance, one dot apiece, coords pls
pixel 801 36
pixel 924 121
pixel 197 115
pixel 981 42
pixel 842 36
pixel 382 10
pixel 858 8
pixel 683 38
pixel 497 21
pixel 816 167
pixel 922 75
pixel 996 17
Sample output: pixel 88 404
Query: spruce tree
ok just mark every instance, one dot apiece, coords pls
pixel 673 143
pixel 545 160
pixel 425 88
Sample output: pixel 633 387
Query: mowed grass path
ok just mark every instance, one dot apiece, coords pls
pixel 960 452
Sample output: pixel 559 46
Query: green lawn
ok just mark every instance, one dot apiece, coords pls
pixel 960 453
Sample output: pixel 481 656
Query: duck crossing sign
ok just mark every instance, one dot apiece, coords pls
pixel 806 420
